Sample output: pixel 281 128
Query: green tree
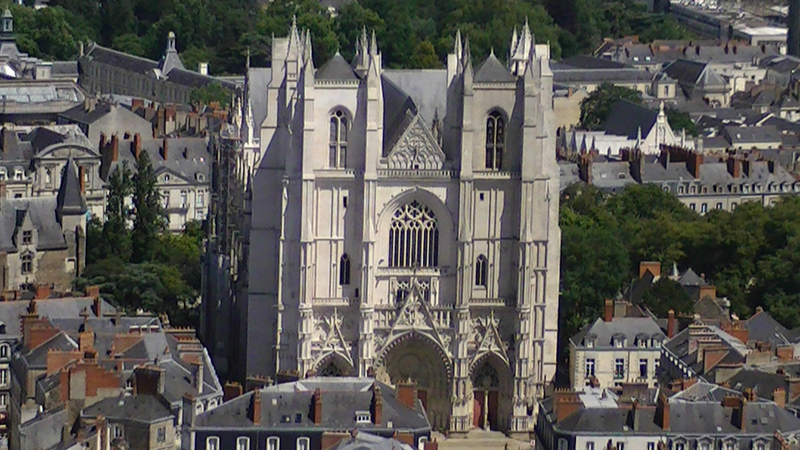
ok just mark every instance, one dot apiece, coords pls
pixel 116 238
pixel 596 107
pixel 149 219
pixel 213 92
pixel 129 43
pixel 666 295
pixel 679 120
pixel 425 57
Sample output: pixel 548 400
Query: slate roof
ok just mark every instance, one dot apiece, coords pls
pixel 70 200
pixel 341 398
pixel 45 431
pixel 366 441
pixel 259 80
pixel 752 135
pixel 761 382
pixel 691 278
pixel 196 160
pixel 336 69
pixel 79 114
pixel 139 408
pixel 567 75
pixel 629 327
pixel 42 213
pixel 37 357
pixel 119 59
pixel 763 327
pixel 11 312
pixel 64 69
pixel 627 118
pixel 591 62
pixel 694 74
pixel 398 111
pixel 192 79
pixel 493 71
pixel 427 89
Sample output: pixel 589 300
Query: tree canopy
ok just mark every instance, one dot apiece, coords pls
pixel 751 255
pixel 597 106
pixel 411 33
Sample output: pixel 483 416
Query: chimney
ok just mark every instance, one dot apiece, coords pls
pixel 565 403
pixel 746 167
pixel 42 291
pixel 137 145
pixel 794 388
pixel 779 397
pixel 377 405
pixel 82 178
pixel 734 167
pixel 671 324
pixel 771 165
pixel 694 162
pixel 316 407
pixel 114 147
pixel 188 412
pixel 713 355
pixel 255 407
pixel 165 149
pixel 148 380
pixel 231 390
pixel 634 417
pixel 585 169
pixel 608 310
pixel 662 412
pixel 653 267
pixel 97 303
pixel 407 393
pixel 197 381
pixel 102 141
pixel 202 68
pixel 738 417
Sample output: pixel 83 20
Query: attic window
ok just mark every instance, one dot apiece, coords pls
pixel 286 418
pixel 166 178
pixel 201 177
pixel 363 417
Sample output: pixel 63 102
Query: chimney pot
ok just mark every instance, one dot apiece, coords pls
pixel 671 324
pixel 82 178
pixel 165 149
pixel 255 415
pixel 608 310
pixel 317 407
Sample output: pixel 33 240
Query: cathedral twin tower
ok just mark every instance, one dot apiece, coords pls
pixel 405 225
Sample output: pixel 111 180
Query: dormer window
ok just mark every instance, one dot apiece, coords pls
pixel 201 177
pixel 588 341
pixel 18 173
pixel 363 417
pixel 27 237
pixel 166 178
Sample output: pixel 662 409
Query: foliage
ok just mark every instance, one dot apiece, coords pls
pixel 666 295
pixel 148 214
pixel 679 120
pixel 596 107
pixel 751 255
pixel 214 92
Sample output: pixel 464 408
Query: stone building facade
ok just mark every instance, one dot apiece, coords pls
pixel 405 225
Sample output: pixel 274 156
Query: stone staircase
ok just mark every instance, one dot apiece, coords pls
pixel 480 440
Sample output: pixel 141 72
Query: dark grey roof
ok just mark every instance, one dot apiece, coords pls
pixel 694 74
pixel 341 398
pixel 64 69
pixel 45 431
pixel 493 71
pixel 139 408
pixel 629 327
pixel 337 68
pixel 398 110
pixel 590 62
pixel 121 60
pixel 626 119
pixel 763 327
pixel 61 342
pixel 186 158
pixel 761 382
pixel 605 420
pixel 427 88
pixel 366 441
pixel 752 135
pixel 567 75
pixel 80 114
pixel 55 308
pixel 42 213
pixel 192 79
pixel 691 278
pixel 70 200
pixel 258 82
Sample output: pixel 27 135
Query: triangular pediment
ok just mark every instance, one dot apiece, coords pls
pixel 490 341
pixel 415 315
pixel 334 340
pixel 416 149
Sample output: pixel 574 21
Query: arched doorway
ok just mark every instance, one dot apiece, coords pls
pixel 333 365
pixel 418 359
pixel 492 384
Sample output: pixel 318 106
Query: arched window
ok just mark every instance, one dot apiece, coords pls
pixel 495 141
pixel 48 176
pixel 414 237
pixel 27 263
pixel 338 140
pixel 344 270
pixel 480 271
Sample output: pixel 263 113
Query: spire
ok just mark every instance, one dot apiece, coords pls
pixel 308 57
pixel 638 136
pixel 69 200
pixel 364 42
pixel 514 40
pixel 491 53
pixel 457 49
pixel 247 61
pixel 373 45
pixel 661 108
pixel 467 59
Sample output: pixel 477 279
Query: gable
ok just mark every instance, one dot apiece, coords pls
pixel 416 149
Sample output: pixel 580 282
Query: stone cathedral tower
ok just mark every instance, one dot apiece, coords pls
pixel 405 226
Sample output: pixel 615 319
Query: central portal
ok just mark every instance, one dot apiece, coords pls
pixel 416 359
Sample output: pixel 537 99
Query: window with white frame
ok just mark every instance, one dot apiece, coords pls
pixel 199 215
pixel 422 442
pixel 589 367
pixel 273 443
pixel 48 176
pixel 303 443
pixel 337 158
pixel 118 431
pixel 200 199
pixel 651 446
pixel 4 351
pixel 620 446
pixel 18 173
pixel 760 446
pixel 619 368
pixel 590 445
pixel 363 417
pixel 680 446
pixel 3 376
pixel 161 435
pixel 184 199
pixel 643 368
pixel 3 399
pixel 243 443
pixel 705 445
pixel 212 443
pixel 562 444
pixel 730 445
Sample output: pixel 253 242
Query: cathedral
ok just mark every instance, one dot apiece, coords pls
pixel 405 226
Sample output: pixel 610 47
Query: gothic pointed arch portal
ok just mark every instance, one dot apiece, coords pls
pixel 493 385
pixel 334 365
pixel 418 359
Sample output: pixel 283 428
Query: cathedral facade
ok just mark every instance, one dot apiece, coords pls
pixel 405 226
